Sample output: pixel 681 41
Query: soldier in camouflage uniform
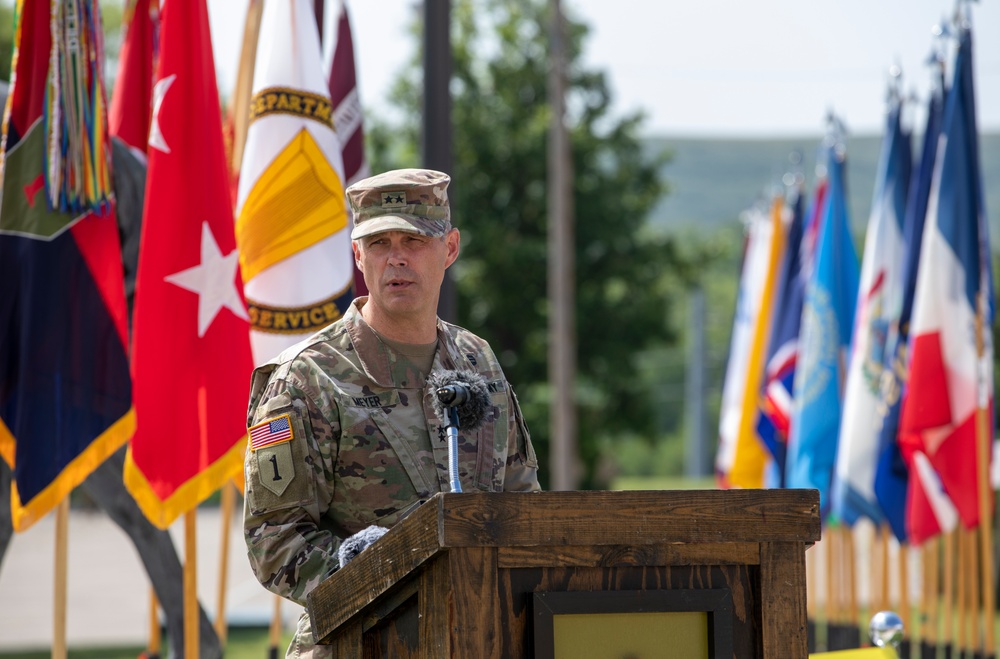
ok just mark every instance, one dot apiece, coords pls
pixel 343 433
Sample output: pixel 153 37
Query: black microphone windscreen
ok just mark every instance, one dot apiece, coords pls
pixel 472 412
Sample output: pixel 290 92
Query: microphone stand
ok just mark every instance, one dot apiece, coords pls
pixel 452 430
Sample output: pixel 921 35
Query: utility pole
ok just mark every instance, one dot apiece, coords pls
pixel 696 455
pixel 436 145
pixel 561 271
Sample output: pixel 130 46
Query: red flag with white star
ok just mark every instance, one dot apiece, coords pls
pixel 191 354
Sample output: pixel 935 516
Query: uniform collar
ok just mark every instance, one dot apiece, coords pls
pixel 376 357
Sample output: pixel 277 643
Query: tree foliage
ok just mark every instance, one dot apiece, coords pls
pixel 501 121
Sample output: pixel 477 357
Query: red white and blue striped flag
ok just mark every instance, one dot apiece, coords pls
pixel 951 378
pixel 270 432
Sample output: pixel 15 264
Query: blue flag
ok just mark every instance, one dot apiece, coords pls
pixel 891 474
pixel 827 323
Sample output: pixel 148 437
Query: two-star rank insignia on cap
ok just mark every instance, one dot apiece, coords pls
pixel 393 199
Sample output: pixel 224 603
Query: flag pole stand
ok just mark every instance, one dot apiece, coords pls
pixel 61 560
pixel 225 517
pixel 190 585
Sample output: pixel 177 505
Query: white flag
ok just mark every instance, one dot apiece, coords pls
pixel 292 222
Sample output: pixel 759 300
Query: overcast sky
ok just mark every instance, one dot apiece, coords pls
pixel 713 67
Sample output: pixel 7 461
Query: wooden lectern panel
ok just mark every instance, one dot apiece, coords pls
pixel 458 576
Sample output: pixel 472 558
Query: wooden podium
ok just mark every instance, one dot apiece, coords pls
pixel 476 575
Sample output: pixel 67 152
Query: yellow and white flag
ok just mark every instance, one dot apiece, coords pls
pixel 292 222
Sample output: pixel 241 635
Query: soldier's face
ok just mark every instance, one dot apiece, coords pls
pixel 403 271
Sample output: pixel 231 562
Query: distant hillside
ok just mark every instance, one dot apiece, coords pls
pixel 713 180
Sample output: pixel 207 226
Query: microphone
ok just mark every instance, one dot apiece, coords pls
pixel 463 392
pixel 461 400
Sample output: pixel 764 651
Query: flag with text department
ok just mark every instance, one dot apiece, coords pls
pixel 65 392
pixel 292 226
pixel 191 364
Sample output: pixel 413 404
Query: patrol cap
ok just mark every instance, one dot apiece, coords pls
pixel 414 200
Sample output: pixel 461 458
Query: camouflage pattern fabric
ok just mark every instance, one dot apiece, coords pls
pixel 401 200
pixel 343 435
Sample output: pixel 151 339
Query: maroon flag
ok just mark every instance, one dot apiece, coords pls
pixel 347 117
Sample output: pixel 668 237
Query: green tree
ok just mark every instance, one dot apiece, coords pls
pixel 501 121
pixel 6 39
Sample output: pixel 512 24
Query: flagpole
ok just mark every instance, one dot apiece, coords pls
pixel 852 580
pixel 561 269
pixel 190 585
pixel 225 517
pixel 928 604
pixel 884 577
pixel 274 634
pixel 983 440
pixel 961 589
pixel 61 568
pixel 239 104
pixel 949 588
pixel 904 597
pixel 153 646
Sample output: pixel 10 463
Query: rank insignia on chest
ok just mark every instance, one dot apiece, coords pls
pixel 270 432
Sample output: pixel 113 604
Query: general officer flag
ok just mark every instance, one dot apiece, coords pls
pixel 292 227
pixel 192 358
pixel 891 473
pixel 65 392
pixel 949 377
pixel 827 323
pixel 876 316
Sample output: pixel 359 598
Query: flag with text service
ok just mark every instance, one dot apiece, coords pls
pixel 292 219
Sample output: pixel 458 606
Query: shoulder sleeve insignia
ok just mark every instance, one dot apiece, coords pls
pixel 270 432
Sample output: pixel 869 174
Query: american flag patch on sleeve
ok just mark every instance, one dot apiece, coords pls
pixel 271 432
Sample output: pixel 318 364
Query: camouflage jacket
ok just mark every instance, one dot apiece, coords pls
pixel 343 435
